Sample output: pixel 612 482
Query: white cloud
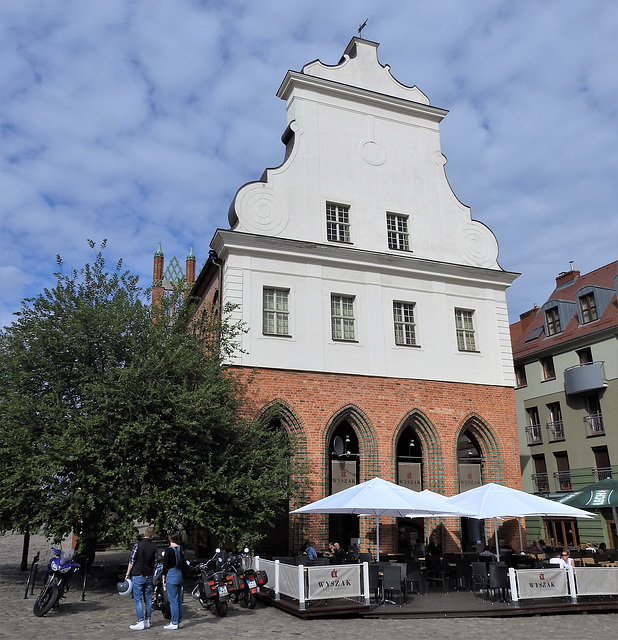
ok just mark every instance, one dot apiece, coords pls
pixel 137 122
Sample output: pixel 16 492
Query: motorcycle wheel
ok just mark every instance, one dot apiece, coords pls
pixel 46 600
pixel 250 598
pixel 221 608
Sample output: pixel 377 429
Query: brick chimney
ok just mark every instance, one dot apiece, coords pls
pixel 566 277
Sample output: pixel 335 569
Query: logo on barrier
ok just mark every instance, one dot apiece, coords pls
pixel 333 573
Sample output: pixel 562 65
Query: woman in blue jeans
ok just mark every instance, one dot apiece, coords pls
pixel 172 579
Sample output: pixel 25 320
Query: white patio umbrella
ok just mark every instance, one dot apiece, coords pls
pixel 496 501
pixel 379 497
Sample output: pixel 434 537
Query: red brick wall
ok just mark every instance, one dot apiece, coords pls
pixel 379 408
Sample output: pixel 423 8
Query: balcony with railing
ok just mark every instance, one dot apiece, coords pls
pixel 600 473
pixel 594 425
pixel 563 480
pixel 583 378
pixel 555 430
pixel 534 434
pixel 540 482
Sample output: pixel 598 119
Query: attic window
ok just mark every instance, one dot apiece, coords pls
pixel 552 317
pixel 534 334
pixel 588 308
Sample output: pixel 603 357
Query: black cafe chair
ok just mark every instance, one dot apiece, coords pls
pixel 480 578
pixel 498 581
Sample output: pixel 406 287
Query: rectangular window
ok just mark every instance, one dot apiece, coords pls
pixel 540 477
pixel 549 373
pixel 275 312
pixel 533 429
pixel 520 376
pixel 405 327
pixel 589 308
pixel 337 222
pixel 563 475
pixel 555 425
pixel 464 323
pixel 342 317
pixel 553 321
pixel 397 231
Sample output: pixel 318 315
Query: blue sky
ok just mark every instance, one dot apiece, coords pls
pixel 137 121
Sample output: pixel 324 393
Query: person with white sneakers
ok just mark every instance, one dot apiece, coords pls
pixel 141 565
pixel 172 579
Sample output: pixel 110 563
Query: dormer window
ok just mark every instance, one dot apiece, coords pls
pixel 588 308
pixel 552 317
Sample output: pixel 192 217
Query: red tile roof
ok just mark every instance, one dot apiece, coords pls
pixel 533 319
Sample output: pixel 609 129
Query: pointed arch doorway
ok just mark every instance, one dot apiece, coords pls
pixel 344 472
pixel 411 531
pixel 470 468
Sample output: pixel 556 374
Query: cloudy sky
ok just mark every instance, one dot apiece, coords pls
pixel 137 121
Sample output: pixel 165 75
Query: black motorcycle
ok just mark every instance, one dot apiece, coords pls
pixel 159 593
pixel 60 569
pixel 215 584
pixel 248 578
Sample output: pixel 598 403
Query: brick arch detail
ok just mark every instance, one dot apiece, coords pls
pixel 367 441
pixel 290 419
pixel 493 469
pixel 432 450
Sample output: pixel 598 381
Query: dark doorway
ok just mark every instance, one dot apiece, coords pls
pixel 470 462
pixel 344 467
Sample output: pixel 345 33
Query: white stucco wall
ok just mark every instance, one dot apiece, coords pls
pixel 364 140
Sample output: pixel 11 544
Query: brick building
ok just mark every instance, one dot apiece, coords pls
pixel 375 304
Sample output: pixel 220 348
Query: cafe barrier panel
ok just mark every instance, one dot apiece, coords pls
pixel 316 583
pixel 534 584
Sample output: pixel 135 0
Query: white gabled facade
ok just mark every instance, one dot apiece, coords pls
pixel 375 305
pixel 358 138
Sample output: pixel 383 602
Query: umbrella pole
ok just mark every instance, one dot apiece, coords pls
pixel 615 526
pixel 496 539
pixel 377 538
pixel 521 544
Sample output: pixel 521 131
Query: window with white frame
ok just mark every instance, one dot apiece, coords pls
pixel 337 222
pixel 464 324
pixel 397 231
pixel 405 326
pixel 276 312
pixel 342 317
pixel 588 308
pixel 553 321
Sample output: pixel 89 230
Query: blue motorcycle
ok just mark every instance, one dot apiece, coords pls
pixel 60 569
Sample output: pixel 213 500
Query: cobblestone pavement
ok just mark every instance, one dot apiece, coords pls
pixel 106 616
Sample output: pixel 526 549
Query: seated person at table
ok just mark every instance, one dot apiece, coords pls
pixel 310 551
pixel 338 552
pixel 487 553
pixel 535 547
pixel 434 548
pixel 331 550
pixel 565 559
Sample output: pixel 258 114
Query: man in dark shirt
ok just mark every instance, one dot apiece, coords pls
pixel 339 553
pixel 142 565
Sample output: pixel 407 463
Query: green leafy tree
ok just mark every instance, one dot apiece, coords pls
pixel 113 411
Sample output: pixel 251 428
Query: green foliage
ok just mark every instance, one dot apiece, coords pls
pixel 113 412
